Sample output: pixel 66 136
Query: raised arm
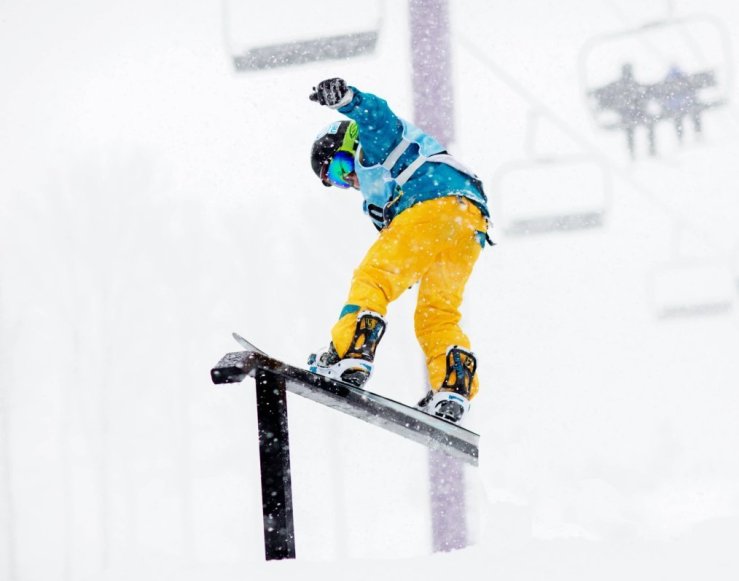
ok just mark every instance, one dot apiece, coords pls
pixel 380 130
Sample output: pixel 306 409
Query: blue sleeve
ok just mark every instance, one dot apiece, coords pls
pixel 380 130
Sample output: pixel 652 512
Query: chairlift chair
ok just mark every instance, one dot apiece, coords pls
pixel 699 45
pixel 552 195
pixel 294 33
pixel 691 288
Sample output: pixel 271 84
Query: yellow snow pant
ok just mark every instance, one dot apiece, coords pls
pixel 437 244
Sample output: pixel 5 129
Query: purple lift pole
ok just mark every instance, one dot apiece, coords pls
pixel 433 103
pixel 433 99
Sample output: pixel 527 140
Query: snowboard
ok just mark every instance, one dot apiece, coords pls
pixel 407 421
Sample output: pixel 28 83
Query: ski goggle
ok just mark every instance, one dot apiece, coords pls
pixel 341 165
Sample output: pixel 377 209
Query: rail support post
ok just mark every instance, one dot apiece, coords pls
pixel 274 458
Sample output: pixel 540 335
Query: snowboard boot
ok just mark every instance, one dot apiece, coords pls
pixel 356 366
pixel 452 400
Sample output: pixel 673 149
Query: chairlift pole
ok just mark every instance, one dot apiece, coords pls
pixel 433 97
pixel 433 104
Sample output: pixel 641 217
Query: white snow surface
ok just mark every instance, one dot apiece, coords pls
pixel 152 200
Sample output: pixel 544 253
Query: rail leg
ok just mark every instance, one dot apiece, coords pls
pixel 274 458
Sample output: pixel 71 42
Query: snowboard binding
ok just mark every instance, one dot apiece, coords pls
pixel 355 368
pixel 452 400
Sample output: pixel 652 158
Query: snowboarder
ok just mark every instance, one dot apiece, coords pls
pixel 432 217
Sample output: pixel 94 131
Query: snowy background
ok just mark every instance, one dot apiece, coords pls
pixel 152 200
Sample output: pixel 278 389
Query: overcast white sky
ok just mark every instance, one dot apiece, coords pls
pixel 152 200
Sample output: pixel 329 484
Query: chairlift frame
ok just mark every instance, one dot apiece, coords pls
pixel 601 39
pixel 709 307
pixel 715 305
pixel 564 222
pixel 298 52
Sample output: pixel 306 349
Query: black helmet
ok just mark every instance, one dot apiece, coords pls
pixel 340 135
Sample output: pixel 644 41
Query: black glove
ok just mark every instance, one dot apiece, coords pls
pixel 332 93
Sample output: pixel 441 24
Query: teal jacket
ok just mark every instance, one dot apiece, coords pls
pixel 398 165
